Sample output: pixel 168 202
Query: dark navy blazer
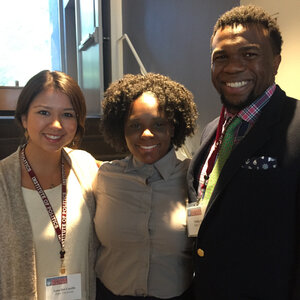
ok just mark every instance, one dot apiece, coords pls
pixel 250 236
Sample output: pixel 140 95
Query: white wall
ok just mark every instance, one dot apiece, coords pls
pixel 288 76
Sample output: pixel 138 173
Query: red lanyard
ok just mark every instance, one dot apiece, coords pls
pixel 62 230
pixel 218 142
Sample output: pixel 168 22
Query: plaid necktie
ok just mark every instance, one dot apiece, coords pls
pixel 224 152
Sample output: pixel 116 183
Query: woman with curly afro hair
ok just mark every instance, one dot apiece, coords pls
pixel 173 99
pixel 140 218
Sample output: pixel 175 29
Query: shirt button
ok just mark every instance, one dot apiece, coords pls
pixel 200 252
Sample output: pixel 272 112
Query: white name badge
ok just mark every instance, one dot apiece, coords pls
pixel 63 287
pixel 195 214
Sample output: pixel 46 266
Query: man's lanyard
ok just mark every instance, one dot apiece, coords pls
pixel 62 230
pixel 217 143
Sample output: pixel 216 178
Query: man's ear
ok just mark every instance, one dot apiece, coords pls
pixel 276 63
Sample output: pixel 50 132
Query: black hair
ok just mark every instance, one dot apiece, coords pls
pixel 173 99
pixel 248 15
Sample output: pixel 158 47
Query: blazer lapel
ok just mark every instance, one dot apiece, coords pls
pixel 256 138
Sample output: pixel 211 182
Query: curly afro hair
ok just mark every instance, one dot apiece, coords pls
pixel 173 99
pixel 251 14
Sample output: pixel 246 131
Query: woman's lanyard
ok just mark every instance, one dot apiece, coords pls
pixel 213 156
pixel 62 230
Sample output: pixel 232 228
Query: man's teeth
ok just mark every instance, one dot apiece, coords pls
pixel 236 84
pixel 53 137
pixel 148 147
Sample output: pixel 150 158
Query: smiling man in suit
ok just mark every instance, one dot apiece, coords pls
pixel 246 183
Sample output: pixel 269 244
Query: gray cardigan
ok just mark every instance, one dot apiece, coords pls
pixel 17 252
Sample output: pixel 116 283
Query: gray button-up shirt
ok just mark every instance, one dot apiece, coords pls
pixel 141 224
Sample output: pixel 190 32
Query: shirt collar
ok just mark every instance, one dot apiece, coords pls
pixel 164 166
pixel 251 113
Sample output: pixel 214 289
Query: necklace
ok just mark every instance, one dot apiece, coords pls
pixel 52 185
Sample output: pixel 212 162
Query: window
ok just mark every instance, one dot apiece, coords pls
pixel 30 39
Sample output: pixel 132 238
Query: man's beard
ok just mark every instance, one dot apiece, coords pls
pixel 239 106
